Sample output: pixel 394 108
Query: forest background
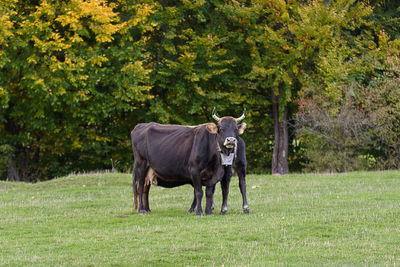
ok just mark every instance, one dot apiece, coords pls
pixel 319 79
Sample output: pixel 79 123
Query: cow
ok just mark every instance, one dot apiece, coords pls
pixel 240 166
pixel 174 155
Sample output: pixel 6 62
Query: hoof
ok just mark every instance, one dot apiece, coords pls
pixel 246 211
pixel 199 214
pixel 224 209
pixel 190 210
pixel 209 212
pixel 142 212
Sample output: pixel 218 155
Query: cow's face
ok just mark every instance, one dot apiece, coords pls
pixel 228 129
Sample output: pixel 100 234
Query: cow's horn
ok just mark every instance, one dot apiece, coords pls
pixel 214 115
pixel 242 117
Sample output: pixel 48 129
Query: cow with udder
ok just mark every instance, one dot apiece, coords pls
pixel 174 155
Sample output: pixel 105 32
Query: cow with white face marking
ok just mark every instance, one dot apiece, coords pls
pixel 240 165
pixel 178 155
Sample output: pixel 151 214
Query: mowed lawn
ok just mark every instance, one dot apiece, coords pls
pixel 306 220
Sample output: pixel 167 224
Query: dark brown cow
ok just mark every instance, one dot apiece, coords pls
pixel 178 155
pixel 240 165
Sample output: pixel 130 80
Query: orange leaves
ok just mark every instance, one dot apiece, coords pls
pixel 304 38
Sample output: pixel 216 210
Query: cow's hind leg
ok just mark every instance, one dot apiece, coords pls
pixel 146 190
pixel 140 170
pixel 135 192
pixel 150 177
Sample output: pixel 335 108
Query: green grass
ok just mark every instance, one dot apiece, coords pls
pixel 306 220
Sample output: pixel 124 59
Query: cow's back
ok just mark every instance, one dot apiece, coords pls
pixel 166 148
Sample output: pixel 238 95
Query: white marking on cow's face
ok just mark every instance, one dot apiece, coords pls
pixel 230 142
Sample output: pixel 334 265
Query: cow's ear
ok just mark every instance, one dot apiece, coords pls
pixel 242 127
pixel 212 128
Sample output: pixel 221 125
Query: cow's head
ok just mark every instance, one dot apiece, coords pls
pixel 228 129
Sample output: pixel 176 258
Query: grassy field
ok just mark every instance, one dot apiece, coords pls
pixel 306 220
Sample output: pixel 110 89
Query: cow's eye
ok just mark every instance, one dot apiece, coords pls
pixel 219 128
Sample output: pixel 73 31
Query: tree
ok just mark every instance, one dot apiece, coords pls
pixel 77 75
pixel 258 53
pixel 68 71
pixel 191 66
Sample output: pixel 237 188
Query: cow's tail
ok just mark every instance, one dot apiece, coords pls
pixel 135 191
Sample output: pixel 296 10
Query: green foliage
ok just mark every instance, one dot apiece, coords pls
pixel 5 151
pixel 350 53
pixel 363 133
pixel 294 48
pixel 338 45
pixel 76 76
pixel 70 73
pixel 386 16
pixel 192 68
pixel 380 99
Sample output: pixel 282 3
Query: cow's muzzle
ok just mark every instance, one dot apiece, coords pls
pixel 230 142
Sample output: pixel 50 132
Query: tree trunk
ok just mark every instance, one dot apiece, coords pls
pixel 12 171
pixel 281 138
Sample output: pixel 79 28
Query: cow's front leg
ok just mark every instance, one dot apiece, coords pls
pixel 199 196
pixel 225 189
pixel 193 206
pixel 209 199
pixel 242 186
pixel 198 191
pixel 213 204
pixel 193 203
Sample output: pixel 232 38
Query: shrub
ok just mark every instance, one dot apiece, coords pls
pixel 381 100
pixel 333 141
pixel 362 131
